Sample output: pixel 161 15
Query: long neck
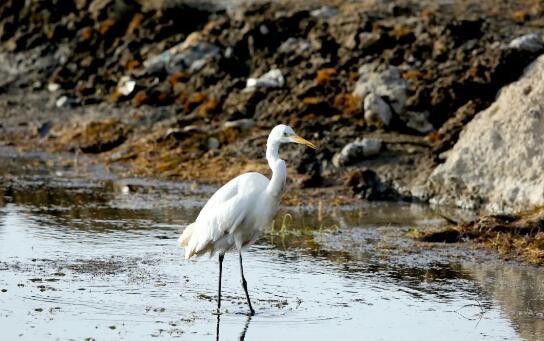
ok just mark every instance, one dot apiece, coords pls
pixel 279 171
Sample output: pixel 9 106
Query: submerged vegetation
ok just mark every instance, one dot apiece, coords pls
pixel 297 232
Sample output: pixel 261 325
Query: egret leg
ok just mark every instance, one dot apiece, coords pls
pixel 244 284
pixel 217 327
pixel 219 289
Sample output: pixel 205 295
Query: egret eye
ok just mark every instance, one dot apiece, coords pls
pixel 286 134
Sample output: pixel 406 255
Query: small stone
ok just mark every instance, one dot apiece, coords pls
pixel 44 128
pixel 356 151
pixel 243 124
pixel 213 143
pixel 271 79
pixel 61 101
pixel 532 42
pixel 52 87
pixel 126 85
pixel 325 12
pixel 264 30
pixel 294 45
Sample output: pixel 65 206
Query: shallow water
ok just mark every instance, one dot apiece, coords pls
pixel 98 259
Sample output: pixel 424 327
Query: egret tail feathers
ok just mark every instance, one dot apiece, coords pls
pixel 184 239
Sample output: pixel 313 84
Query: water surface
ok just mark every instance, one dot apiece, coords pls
pixel 98 259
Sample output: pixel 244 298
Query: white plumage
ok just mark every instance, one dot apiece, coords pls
pixel 238 212
pixel 232 218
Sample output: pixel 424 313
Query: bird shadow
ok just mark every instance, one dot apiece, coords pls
pixel 242 333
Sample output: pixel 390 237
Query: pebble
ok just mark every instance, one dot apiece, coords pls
pixel 243 124
pixel 52 87
pixel 294 45
pixel 271 79
pixel 325 12
pixel 61 101
pixel 213 143
pixel 126 85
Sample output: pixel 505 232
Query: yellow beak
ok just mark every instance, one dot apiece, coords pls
pixel 298 139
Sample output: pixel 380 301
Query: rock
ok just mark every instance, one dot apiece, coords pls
pixel 376 110
pixel 191 55
pixel 387 84
pixel 264 30
pixel 294 45
pixel 418 121
pixel 61 101
pixel 271 79
pixel 498 160
pixel 243 124
pixel 53 87
pixel 213 143
pixel 325 12
pixel 194 129
pixel 357 151
pixel 384 93
pixel 532 42
pixel 44 128
pixel 126 85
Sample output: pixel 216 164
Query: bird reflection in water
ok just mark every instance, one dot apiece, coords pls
pixel 242 334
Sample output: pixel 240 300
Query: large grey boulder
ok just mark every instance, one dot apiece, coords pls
pixel 498 161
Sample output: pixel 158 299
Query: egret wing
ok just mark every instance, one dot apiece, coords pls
pixel 225 211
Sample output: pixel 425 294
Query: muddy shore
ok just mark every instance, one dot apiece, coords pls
pixel 184 91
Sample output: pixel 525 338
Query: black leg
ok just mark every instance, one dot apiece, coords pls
pixel 217 328
pixel 244 284
pixel 219 290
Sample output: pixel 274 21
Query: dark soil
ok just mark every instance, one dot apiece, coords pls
pixel 63 67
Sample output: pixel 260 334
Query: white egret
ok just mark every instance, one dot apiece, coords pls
pixel 235 215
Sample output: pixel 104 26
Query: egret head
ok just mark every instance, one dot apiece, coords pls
pixel 285 134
